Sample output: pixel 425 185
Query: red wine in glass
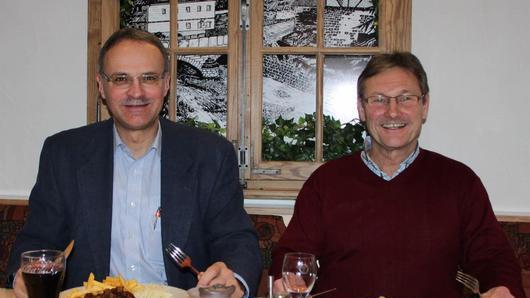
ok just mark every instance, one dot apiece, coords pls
pixel 43 272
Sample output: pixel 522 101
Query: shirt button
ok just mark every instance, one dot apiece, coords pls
pixel 133 204
pixel 132 268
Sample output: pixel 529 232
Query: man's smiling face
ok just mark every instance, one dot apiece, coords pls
pixel 394 128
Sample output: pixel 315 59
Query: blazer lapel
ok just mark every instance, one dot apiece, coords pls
pixel 177 200
pixel 95 189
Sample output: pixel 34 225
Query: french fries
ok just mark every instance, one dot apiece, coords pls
pixel 93 286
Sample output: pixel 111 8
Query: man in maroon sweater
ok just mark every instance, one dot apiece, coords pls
pixel 396 220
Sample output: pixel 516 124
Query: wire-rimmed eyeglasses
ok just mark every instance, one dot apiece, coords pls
pixel 405 100
pixel 124 80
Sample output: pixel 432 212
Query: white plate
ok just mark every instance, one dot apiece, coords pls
pixel 175 292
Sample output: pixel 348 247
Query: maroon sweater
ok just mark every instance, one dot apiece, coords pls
pixel 403 238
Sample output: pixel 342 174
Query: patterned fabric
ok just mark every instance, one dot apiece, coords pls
pixel 519 236
pixel 13 212
pixel 269 228
pixel 11 221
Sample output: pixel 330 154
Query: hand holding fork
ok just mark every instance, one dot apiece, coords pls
pixel 217 273
pixel 471 283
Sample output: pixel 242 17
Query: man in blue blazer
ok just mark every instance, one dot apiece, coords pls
pixel 125 188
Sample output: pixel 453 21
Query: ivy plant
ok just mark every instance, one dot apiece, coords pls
pixel 287 139
pixel 341 139
pixel 290 140
pixel 213 126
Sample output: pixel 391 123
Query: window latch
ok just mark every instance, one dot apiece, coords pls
pixel 244 20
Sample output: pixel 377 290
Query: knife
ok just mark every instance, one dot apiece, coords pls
pixel 321 293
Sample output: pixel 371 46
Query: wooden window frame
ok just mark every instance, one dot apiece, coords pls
pixel 244 94
pixel 394 33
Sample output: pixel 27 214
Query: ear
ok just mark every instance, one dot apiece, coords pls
pixel 425 108
pixel 167 84
pixel 100 87
pixel 360 110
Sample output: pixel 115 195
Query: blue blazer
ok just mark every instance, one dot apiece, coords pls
pixel 201 201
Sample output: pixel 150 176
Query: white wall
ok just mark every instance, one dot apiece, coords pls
pixel 476 53
pixel 42 82
pixel 477 56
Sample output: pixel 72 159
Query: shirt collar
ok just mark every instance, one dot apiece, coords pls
pixel 375 168
pixel 118 142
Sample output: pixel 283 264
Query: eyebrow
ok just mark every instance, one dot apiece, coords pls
pixel 401 92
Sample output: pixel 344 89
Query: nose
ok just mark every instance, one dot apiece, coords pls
pixel 392 107
pixel 135 90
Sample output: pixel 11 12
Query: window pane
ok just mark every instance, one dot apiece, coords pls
pixel 148 15
pixel 289 23
pixel 201 26
pixel 289 93
pixel 342 132
pixel 202 91
pixel 350 23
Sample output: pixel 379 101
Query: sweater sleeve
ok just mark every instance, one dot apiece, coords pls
pixel 487 254
pixel 304 232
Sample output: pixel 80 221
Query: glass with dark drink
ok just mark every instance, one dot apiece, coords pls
pixel 43 272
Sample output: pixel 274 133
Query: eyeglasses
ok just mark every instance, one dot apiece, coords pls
pixel 124 80
pixel 404 100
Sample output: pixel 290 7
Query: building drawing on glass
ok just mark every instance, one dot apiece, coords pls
pixel 148 15
pixel 289 88
pixel 350 23
pixel 289 23
pixel 202 23
pixel 347 23
pixel 342 131
pixel 202 91
pixel 340 86
pixel 289 106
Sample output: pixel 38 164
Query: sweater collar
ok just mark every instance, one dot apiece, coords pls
pixel 375 168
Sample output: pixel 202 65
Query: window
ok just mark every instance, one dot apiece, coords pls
pixel 281 89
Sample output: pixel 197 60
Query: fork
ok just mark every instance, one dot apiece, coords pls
pixel 469 282
pixel 182 259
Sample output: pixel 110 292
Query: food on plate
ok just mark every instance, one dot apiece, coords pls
pixel 117 287
pixel 151 291
pixel 118 292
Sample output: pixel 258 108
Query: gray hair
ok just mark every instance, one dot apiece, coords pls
pixel 381 62
pixel 131 34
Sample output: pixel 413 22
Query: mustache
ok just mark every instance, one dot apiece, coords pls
pixel 136 101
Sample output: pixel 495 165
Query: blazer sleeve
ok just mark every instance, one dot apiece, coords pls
pixel 45 223
pixel 231 235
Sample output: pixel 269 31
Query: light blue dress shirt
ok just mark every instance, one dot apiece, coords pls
pixel 136 239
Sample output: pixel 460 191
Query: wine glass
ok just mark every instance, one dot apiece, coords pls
pixel 299 273
pixel 43 272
